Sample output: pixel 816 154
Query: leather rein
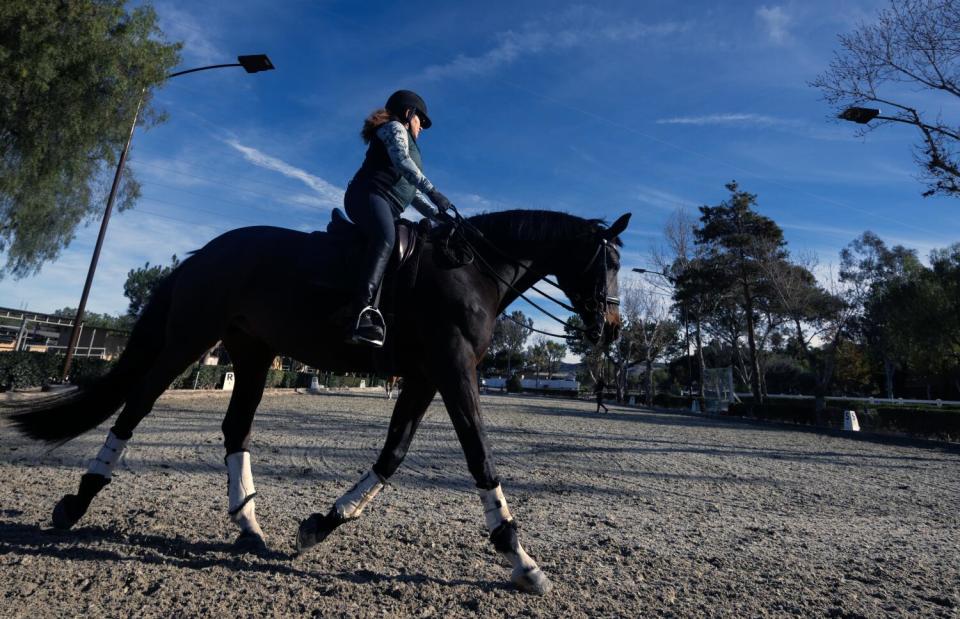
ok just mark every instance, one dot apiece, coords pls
pixel 598 304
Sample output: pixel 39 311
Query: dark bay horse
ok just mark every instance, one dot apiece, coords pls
pixel 247 288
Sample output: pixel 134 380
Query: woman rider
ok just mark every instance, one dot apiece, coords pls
pixel 390 178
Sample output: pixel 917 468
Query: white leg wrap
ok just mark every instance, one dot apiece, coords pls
pixel 241 492
pixel 352 504
pixel 526 574
pixel 108 456
pixel 494 508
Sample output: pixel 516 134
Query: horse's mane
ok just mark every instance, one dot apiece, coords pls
pixel 535 226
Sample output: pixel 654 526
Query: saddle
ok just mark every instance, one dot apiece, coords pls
pixel 403 248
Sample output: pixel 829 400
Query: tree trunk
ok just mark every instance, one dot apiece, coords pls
pixel 649 395
pixel 700 361
pixel 752 344
pixel 888 371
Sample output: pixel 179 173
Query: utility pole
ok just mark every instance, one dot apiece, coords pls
pixel 252 64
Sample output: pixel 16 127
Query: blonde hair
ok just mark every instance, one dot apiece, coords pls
pixel 374 121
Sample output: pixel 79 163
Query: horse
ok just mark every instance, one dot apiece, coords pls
pixel 391 384
pixel 246 288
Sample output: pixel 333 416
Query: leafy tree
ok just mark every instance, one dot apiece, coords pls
pixel 509 337
pixel 93 320
pixel 141 284
pixel 873 273
pixel 738 242
pixel 555 354
pixel 538 355
pixel 71 74
pixel 912 47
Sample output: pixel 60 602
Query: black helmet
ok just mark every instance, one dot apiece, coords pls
pixel 402 100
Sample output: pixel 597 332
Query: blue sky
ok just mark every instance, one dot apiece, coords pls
pixel 592 109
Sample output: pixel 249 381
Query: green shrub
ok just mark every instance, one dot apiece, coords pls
pixel 514 384
pixel 935 422
pixel 86 370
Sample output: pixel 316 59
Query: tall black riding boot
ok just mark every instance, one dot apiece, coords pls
pixel 369 327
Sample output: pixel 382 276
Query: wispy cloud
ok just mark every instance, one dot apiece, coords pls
pixel 730 119
pixel 775 22
pixel 661 199
pixel 573 29
pixel 194 33
pixel 328 195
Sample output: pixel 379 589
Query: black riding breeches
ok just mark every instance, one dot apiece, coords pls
pixel 373 213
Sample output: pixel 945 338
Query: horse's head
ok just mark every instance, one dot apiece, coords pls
pixel 590 281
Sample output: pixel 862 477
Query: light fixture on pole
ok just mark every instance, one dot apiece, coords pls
pixel 251 64
pixel 859 115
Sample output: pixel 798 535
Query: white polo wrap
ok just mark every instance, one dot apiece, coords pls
pixel 526 574
pixel 494 507
pixel 108 456
pixel 352 504
pixel 241 491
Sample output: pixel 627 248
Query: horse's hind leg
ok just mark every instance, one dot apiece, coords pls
pixel 251 362
pixel 170 363
pixel 411 405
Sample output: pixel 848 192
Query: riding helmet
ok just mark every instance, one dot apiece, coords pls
pixel 402 100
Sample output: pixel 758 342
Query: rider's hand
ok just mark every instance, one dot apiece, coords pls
pixel 440 201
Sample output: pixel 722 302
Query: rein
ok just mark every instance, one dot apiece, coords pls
pixel 602 297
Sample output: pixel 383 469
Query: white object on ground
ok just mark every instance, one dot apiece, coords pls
pixel 228 380
pixel 314 385
pixel 850 423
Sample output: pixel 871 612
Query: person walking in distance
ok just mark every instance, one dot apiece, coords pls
pixel 598 390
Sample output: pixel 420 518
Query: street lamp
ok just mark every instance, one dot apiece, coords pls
pixel 686 330
pixel 251 64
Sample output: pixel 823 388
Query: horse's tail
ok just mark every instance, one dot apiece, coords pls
pixel 59 418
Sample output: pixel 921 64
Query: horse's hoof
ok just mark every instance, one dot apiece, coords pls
pixel 531 581
pixel 315 529
pixel 249 543
pixel 67 512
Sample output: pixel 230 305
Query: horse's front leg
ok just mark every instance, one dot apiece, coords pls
pixel 459 391
pixel 411 405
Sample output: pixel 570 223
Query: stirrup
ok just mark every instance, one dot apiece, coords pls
pixel 375 317
pixel 374 313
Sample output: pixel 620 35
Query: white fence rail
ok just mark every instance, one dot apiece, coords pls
pixel 898 401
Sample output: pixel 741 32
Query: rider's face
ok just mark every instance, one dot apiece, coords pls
pixel 415 125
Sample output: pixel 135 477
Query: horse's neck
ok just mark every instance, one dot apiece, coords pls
pixel 522 265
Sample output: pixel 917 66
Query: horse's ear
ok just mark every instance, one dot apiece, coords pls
pixel 617 228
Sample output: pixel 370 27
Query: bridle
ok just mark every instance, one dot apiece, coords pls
pixel 598 303
pixel 601 300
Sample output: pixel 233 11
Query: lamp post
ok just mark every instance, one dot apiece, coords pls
pixel 251 64
pixel 686 330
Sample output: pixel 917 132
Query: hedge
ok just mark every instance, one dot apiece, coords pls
pixel 24 370
pixel 928 422
pixel 666 400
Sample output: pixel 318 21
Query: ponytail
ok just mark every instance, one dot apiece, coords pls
pixel 374 121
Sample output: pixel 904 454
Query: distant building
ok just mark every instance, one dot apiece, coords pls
pixel 38 332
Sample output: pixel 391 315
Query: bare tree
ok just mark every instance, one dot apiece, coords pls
pixel 678 258
pixel 913 47
pixel 649 328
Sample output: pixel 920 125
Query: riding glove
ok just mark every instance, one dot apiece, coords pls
pixel 439 200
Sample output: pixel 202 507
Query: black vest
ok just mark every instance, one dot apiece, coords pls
pixel 380 175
